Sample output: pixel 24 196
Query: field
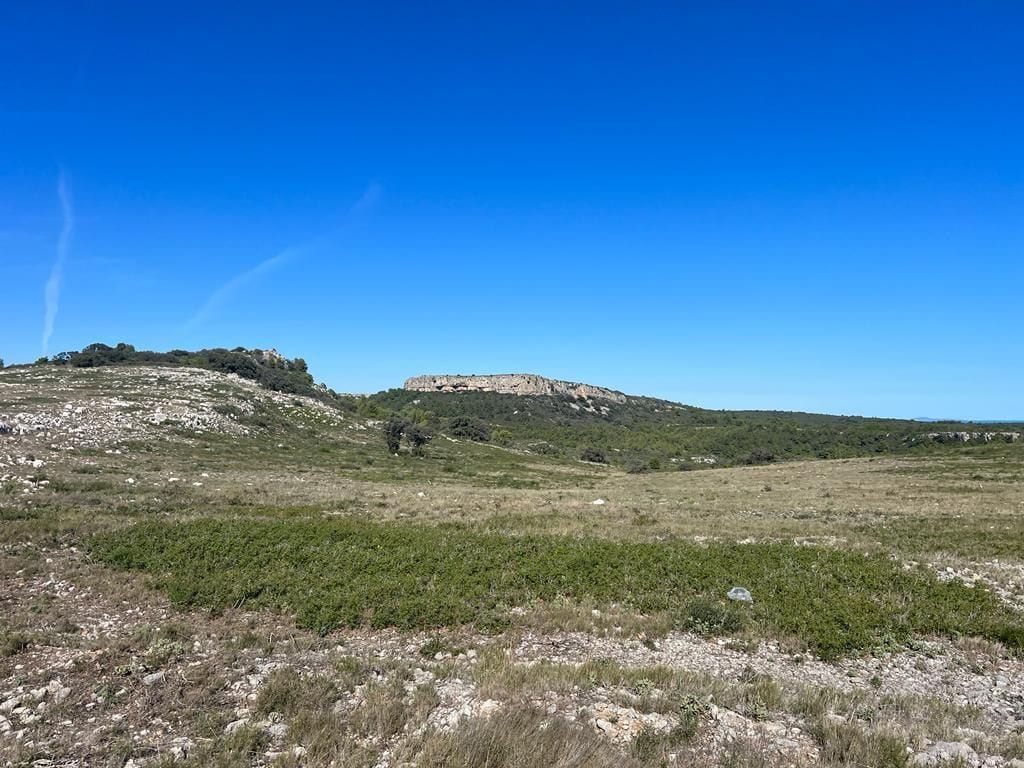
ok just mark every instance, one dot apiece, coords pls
pixel 197 571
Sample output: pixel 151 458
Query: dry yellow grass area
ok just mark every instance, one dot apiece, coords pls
pixel 826 502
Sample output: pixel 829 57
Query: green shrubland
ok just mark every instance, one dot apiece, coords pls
pixel 352 573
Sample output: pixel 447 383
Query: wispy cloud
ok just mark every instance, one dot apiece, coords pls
pixel 226 292
pixel 223 295
pixel 51 293
pixel 367 201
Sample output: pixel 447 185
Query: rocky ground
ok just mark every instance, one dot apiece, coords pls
pixel 110 671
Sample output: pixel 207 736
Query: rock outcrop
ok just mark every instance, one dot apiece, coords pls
pixel 512 384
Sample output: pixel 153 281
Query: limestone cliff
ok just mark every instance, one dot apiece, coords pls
pixel 512 384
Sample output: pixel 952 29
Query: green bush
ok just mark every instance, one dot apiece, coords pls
pixel 469 428
pixel 759 456
pixel 393 430
pixel 706 616
pixel 418 438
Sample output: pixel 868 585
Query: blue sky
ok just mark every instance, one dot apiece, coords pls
pixel 813 206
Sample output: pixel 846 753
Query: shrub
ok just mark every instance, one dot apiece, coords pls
pixel 595 455
pixel 706 616
pixel 472 429
pixel 418 438
pixel 838 601
pixel 394 428
pixel 12 643
pixel 759 456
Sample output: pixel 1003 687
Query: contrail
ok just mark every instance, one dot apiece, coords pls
pixel 361 208
pixel 51 294
pixel 223 294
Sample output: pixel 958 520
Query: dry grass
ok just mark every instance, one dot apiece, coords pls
pixel 521 738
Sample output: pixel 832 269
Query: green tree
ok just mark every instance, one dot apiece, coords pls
pixel 418 438
pixel 465 426
pixel 394 428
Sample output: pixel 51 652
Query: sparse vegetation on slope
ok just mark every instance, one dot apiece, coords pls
pixel 674 436
pixel 266 367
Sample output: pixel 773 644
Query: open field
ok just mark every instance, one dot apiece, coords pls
pixel 196 571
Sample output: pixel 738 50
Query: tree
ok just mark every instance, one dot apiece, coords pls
pixel 394 428
pixel 418 438
pixel 1 362
pixel 474 429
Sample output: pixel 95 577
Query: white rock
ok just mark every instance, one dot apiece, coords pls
pixel 234 725
pixel 946 753
pixel 489 707
pixel 9 705
pixel 58 692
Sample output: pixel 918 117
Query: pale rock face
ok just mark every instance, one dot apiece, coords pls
pixel 512 384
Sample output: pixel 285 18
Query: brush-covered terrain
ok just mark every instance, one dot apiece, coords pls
pixel 207 559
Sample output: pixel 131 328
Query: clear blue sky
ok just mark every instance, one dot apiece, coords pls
pixel 814 206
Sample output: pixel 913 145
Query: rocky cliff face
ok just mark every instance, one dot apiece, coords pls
pixel 512 384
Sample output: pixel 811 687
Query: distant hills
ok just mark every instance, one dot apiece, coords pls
pixel 534 414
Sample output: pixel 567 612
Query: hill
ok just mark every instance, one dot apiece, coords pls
pixel 644 433
pixel 570 420
pixel 269 368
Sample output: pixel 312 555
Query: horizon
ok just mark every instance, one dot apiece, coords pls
pixel 370 393
pixel 803 208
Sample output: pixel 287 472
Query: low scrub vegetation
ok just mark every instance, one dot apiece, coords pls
pixel 646 434
pixel 267 368
pixel 351 573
